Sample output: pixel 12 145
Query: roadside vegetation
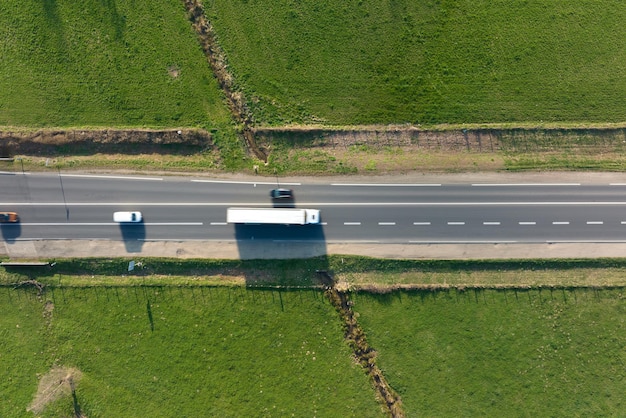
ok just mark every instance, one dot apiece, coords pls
pixel 195 337
pixel 439 67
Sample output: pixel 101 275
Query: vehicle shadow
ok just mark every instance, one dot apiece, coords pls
pixel 284 203
pixel 279 241
pixel 278 244
pixel 134 235
pixel 11 232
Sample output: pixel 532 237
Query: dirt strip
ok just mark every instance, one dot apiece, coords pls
pixel 47 249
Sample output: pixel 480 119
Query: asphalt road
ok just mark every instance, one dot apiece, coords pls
pixel 373 211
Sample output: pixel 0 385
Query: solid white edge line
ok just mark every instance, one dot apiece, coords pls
pixel 522 184
pixel 245 182
pixel 463 242
pixel 327 204
pixel 582 241
pixel 111 223
pixel 387 184
pixel 112 177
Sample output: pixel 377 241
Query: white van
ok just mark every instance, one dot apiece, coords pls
pixel 124 217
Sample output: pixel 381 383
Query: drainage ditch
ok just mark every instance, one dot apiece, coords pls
pixel 363 352
pixel 217 60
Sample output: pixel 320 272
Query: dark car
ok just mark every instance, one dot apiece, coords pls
pixel 281 194
pixel 6 217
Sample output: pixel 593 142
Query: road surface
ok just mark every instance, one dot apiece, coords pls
pixel 400 212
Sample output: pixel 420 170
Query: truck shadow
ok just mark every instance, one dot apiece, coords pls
pixel 280 241
pixel 134 235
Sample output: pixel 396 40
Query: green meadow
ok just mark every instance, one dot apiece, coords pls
pixel 426 62
pixel 497 353
pixel 104 63
pixel 166 351
pixel 256 338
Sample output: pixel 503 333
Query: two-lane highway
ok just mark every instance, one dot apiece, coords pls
pixel 72 206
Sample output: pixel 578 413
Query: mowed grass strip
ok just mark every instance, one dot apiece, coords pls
pixel 501 353
pixel 380 275
pixel 94 63
pixel 177 351
pixel 461 61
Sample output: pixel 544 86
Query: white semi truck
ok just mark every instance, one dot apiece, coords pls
pixel 277 216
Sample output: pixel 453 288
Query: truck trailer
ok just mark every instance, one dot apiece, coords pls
pixel 277 216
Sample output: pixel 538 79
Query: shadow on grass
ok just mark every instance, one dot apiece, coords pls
pixel 282 243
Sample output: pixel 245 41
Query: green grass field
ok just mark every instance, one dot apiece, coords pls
pixel 104 63
pixel 163 343
pixel 201 351
pixel 501 353
pixel 428 62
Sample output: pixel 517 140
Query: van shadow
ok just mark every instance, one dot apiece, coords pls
pixel 134 235
pixel 280 241
pixel 11 232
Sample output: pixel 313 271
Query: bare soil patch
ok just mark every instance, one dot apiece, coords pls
pixel 58 383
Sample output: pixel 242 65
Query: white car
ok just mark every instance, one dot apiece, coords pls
pixel 124 217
